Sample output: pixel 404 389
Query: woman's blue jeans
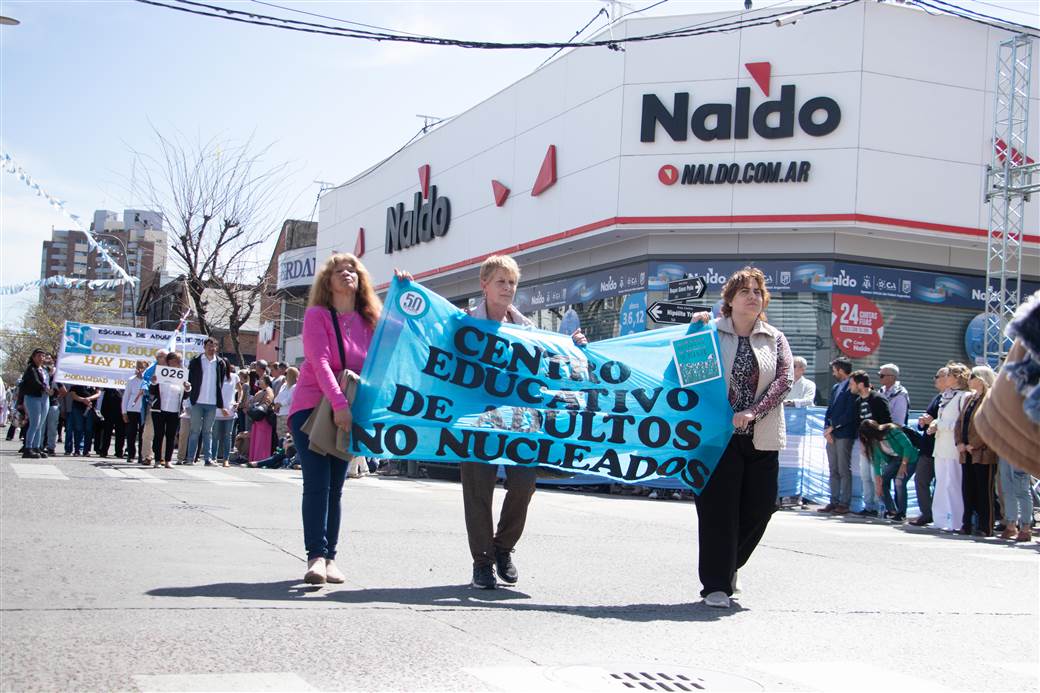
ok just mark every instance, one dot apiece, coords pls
pixel 82 429
pixel 222 438
pixel 888 476
pixel 36 408
pixel 323 477
pixel 1015 498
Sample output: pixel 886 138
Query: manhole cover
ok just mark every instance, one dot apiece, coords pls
pixel 651 677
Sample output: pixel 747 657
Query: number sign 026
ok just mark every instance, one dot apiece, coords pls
pixel 170 374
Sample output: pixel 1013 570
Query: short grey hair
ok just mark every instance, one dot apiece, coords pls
pixel 799 361
pixel 890 367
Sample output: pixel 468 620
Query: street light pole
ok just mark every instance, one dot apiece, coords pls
pixel 126 267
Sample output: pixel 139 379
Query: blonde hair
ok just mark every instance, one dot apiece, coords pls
pixel 291 374
pixel 959 371
pixel 366 302
pixel 986 374
pixel 494 263
pixel 748 276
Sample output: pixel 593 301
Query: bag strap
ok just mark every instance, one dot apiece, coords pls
pixel 339 339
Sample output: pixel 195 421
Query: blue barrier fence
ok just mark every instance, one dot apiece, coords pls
pixel 804 470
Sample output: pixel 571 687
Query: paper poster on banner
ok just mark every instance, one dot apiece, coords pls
pixel 439 385
pixel 105 355
pixel 696 359
pixel 856 325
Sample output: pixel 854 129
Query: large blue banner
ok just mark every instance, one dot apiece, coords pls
pixel 441 386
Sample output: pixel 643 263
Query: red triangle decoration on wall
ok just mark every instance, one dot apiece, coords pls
pixel 760 72
pixel 501 193
pixel 424 180
pixel 547 175
pixel 359 244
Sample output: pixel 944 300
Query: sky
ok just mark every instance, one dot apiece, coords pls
pixel 84 83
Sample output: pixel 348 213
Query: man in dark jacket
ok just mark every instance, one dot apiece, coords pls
pixel 925 472
pixel 840 426
pixel 870 404
pixel 206 372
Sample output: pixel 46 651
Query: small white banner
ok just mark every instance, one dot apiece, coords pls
pixel 104 355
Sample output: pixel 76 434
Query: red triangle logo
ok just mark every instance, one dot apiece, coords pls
pixel 424 180
pixel 547 175
pixel 501 193
pixel 761 73
pixel 359 244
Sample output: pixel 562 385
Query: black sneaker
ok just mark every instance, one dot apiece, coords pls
pixel 41 453
pixel 483 577
pixel 506 569
pixel 31 455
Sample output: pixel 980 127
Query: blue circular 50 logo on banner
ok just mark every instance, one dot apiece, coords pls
pixel 413 304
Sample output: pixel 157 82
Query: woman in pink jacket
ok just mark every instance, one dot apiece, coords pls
pixel 341 316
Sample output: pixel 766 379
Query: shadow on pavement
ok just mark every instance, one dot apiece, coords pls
pixel 446 596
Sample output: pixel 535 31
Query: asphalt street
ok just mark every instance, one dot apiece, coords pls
pixel 114 578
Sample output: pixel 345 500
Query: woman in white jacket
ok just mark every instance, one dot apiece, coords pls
pixel 948 503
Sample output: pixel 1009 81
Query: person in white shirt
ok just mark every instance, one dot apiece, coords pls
pixel 166 401
pixel 283 400
pixel 206 372
pixel 803 391
pixel 224 421
pixel 132 414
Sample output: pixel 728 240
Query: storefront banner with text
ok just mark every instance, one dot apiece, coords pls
pixel 104 355
pixel 439 385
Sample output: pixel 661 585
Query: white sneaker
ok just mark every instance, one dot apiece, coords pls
pixel 315 574
pixel 333 574
pixel 653 495
pixel 717 600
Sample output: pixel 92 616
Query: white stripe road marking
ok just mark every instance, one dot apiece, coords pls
pixel 399 486
pixel 218 478
pixel 854 676
pixel 142 476
pixel 1008 559
pixel 131 475
pixel 275 681
pixel 281 476
pixel 38 471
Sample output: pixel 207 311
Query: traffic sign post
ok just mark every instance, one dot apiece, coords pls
pixel 687 289
pixel 666 312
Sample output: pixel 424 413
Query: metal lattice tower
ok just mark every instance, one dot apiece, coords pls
pixel 1009 184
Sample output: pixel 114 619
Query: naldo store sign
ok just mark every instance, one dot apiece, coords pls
pixel 296 268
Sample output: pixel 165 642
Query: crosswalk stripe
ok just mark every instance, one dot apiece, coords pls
pixel 38 471
pixel 273 681
pixel 142 476
pixel 218 478
pixel 399 486
pixel 281 476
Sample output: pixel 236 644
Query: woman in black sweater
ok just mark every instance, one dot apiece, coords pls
pixel 35 388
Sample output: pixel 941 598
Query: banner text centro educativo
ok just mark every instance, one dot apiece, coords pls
pixel 440 385
pixel 104 355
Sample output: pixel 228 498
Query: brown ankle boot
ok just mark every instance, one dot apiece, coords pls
pixel 1024 534
pixel 1009 532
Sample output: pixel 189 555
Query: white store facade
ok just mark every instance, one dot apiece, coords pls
pixel 845 154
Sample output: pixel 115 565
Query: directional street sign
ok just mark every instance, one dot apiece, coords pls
pixel 674 313
pixel 685 289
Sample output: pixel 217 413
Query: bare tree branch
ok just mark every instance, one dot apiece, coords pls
pixel 220 201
